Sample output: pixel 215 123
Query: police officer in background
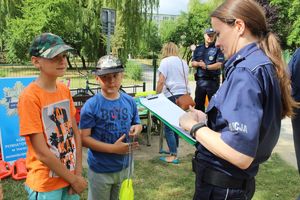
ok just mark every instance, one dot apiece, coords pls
pixel 207 59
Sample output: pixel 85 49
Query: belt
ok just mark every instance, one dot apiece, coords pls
pixel 209 78
pixel 220 179
pixel 223 180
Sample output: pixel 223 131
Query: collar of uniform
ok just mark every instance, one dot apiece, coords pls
pixel 210 45
pixel 239 56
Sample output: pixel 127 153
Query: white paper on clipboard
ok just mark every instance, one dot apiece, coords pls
pixel 166 110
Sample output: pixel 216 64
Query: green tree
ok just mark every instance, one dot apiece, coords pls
pixel 55 16
pixel 287 25
pixel 167 30
pixel 132 17
pixel 150 44
pixel 188 27
pixel 77 21
pixel 8 9
pixel 293 39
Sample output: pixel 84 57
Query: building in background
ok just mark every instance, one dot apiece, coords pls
pixel 158 18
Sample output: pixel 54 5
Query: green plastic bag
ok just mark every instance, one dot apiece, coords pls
pixel 126 191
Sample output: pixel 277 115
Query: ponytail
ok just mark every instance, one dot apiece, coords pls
pixel 270 45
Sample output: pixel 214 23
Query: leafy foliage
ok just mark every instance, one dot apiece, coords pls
pixel 132 22
pixel 41 16
pixel 133 70
pixel 287 25
pixel 78 23
pixel 151 42
pixel 188 28
pixel 8 9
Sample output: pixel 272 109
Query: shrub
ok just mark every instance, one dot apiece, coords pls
pixel 133 70
pixel 2 74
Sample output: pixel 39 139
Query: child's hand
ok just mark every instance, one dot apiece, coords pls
pixel 123 148
pixel 78 185
pixel 71 191
pixel 135 130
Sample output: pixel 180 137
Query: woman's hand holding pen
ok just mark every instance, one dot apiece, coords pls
pixel 199 116
pixel 191 118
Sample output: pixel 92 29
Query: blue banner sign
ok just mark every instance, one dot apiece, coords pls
pixel 13 146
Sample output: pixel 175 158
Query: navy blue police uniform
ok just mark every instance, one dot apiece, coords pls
pixel 246 112
pixel 208 81
pixel 294 68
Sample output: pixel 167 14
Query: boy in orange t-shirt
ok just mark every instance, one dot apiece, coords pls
pixel 47 121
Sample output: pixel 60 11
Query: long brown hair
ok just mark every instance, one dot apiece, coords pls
pixel 254 18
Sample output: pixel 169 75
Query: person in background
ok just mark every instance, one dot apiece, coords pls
pixel 242 122
pixel 207 60
pixel 294 68
pixel 172 82
pixel 108 121
pixel 47 121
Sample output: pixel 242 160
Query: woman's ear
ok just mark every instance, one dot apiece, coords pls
pixel 240 26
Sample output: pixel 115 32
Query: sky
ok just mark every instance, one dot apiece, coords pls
pixel 172 6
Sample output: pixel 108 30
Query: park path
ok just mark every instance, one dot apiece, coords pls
pixel 285 145
pixel 148 76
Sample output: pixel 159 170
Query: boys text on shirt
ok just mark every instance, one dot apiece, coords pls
pixel 108 120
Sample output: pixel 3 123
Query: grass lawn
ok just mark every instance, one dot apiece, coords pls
pixel 155 180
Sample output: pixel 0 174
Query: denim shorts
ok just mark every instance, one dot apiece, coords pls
pixel 59 194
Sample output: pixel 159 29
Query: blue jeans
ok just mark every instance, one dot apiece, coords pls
pixel 171 137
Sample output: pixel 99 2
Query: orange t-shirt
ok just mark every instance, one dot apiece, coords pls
pixel 49 113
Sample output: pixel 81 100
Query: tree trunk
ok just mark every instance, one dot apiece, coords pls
pixel 69 63
pixel 83 62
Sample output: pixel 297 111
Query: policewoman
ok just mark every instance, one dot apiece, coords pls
pixel 207 59
pixel 244 116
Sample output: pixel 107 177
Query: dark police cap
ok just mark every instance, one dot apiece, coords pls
pixel 210 31
pixel 48 45
pixel 108 64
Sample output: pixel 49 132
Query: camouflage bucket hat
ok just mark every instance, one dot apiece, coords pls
pixel 108 64
pixel 48 45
